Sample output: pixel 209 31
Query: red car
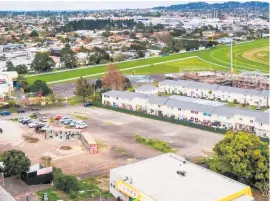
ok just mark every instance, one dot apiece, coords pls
pixel 57 117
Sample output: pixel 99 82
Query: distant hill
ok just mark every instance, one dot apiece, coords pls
pixel 226 5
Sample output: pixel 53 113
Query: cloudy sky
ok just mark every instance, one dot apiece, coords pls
pixel 87 5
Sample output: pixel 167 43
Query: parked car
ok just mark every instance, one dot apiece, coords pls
pixel 57 117
pixel 81 125
pixel 26 121
pixel 63 119
pixel 45 127
pixel 73 123
pixel 43 119
pixel 36 114
pixel 68 121
pixel 36 108
pixel 5 113
pixel 87 104
pixel 22 118
pixel 33 124
pixel 21 110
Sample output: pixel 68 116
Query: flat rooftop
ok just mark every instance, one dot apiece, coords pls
pixel 157 178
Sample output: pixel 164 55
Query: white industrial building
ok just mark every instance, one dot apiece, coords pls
pixel 208 113
pixel 170 177
pixel 216 92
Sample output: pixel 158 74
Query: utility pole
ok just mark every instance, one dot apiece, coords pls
pixel 231 55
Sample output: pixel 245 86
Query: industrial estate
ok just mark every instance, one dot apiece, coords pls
pixel 128 101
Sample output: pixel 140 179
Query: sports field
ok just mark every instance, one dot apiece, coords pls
pixel 217 58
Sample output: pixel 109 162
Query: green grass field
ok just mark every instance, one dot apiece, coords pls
pixel 217 58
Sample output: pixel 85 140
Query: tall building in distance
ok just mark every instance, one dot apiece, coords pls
pixel 216 13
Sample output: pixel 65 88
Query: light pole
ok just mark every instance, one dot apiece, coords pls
pixel 92 190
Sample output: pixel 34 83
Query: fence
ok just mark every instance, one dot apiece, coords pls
pixel 171 120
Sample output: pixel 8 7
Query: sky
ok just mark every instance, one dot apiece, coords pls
pixel 89 4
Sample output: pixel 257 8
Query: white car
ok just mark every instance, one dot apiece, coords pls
pixel 81 125
pixel 44 128
pixel 74 123
pixel 43 119
pixel 63 119
pixel 24 119
pixel 33 124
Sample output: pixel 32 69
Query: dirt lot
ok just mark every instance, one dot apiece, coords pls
pixel 115 134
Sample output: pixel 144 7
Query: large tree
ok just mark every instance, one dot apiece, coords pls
pixel 42 62
pixel 113 78
pixel 10 66
pixel 68 57
pixel 40 86
pixel 16 162
pixel 83 88
pixel 34 33
pixel 21 69
pixel 243 156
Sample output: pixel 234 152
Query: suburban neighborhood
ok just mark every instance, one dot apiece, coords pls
pixel 134 101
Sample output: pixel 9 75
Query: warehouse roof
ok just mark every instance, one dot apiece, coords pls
pixel 164 183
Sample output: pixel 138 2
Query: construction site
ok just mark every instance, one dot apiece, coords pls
pixel 246 80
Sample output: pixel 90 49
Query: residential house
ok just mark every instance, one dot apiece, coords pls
pixel 209 113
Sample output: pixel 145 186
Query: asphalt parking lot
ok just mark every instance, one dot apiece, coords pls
pixel 119 129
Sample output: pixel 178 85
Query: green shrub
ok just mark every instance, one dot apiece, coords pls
pixel 155 144
pixel 63 182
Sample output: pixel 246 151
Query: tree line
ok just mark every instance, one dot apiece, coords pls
pixel 96 24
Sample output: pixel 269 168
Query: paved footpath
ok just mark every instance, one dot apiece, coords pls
pixel 18 189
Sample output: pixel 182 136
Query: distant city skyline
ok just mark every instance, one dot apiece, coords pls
pixel 88 5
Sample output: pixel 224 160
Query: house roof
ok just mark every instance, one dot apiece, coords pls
pixel 201 85
pixel 158 100
pixel 222 110
pixel 190 106
pixel 146 88
pixel 251 92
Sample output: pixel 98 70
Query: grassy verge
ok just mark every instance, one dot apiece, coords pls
pixel 14 119
pixel 82 117
pixel 74 100
pixel 1 156
pixel 159 145
pixel 100 183
pixel 52 194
